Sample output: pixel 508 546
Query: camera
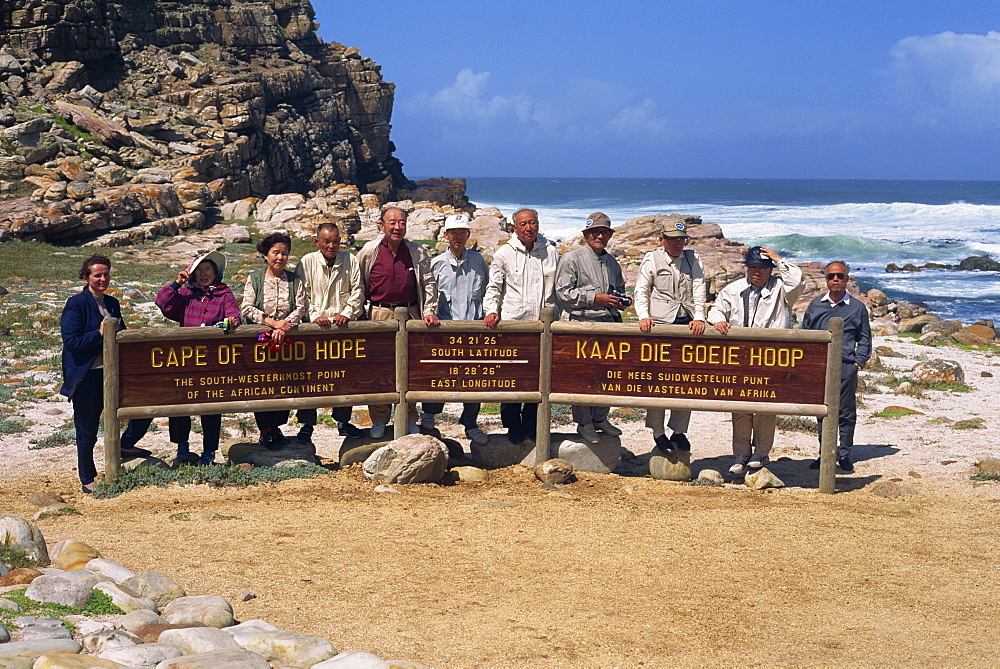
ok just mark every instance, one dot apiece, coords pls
pixel 622 296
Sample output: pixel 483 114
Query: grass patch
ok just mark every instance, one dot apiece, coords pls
pixel 64 510
pixel 64 436
pixel 12 426
pixel 14 558
pixel 953 387
pixel 969 424
pixel 895 412
pixel 219 476
pixel 705 483
pixel 100 604
pixel 798 424
pixel 490 409
pixel 562 414
pixel 628 414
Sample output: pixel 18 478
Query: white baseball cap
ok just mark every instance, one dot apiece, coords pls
pixel 457 222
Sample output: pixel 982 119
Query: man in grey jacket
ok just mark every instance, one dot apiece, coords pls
pixel 587 279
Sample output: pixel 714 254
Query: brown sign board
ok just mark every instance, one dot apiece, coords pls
pixel 238 368
pixel 697 368
pixel 473 362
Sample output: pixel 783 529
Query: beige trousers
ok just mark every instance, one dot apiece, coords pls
pixel 753 433
pixel 382 413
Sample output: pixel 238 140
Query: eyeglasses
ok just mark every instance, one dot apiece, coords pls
pixel 836 275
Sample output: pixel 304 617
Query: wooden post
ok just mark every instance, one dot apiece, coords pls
pixel 831 425
pixel 399 418
pixel 543 429
pixel 112 429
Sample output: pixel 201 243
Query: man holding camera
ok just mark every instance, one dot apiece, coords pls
pixel 590 287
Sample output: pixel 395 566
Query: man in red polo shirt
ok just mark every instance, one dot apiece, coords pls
pixel 396 273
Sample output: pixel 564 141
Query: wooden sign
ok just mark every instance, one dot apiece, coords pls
pixel 237 368
pixel 697 368
pixel 473 362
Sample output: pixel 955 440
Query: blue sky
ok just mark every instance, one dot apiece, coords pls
pixel 885 89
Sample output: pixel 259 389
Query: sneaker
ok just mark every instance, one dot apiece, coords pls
pixel 846 465
pixel 206 458
pixel 477 436
pixel 680 441
pixel 377 430
pixel 814 464
pixel 589 433
pixel 345 429
pixel 757 461
pixel 663 443
pixel 607 428
pixel 739 465
pixel 412 428
pixel 427 421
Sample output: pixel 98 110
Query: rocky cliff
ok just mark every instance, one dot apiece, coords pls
pixel 126 111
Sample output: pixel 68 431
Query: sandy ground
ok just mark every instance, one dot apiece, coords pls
pixel 612 571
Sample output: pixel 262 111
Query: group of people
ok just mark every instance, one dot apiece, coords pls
pixel 331 287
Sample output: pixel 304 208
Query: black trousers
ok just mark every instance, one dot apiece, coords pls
pixel 848 409
pixel 180 431
pixel 521 418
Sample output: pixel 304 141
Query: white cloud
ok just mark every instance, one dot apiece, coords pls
pixel 583 111
pixel 949 78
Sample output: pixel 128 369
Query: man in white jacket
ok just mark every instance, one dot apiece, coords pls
pixel 757 301
pixel 522 283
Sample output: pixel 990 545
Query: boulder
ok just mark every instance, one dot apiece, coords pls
pixel 500 453
pixel 354 659
pixel 222 659
pixel 151 633
pixel 73 661
pixel 247 629
pixel 970 339
pixel 915 324
pixel 124 600
pixel 56 590
pixel 112 570
pixel 712 476
pixel 288 649
pixel 72 555
pixel 198 640
pixel 106 640
pixel 938 371
pixel 941 327
pixel 23 535
pixel 38 648
pixel 144 655
pixel 206 609
pixel 413 458
pixel 668 468
pixel 135 620
pixel 21 576
pixel 979 264
pixel 470 474
pixel 877 297
pixel 601 457
pixel 981 330
pixel 155 586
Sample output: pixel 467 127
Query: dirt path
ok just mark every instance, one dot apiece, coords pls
pixel 613 571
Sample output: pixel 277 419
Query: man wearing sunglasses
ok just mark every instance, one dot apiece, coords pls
pixel 857 349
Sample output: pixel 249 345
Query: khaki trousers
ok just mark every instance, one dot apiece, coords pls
pixel 382 413
pixel 753 433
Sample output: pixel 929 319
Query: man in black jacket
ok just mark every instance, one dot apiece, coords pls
pixel 857 349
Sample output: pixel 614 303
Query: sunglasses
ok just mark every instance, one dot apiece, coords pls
pixel 836 275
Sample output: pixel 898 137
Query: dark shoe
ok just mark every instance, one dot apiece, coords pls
pixel 349 431
pixel 206 458
pixel 89 487
pixel 680 442
pixel 814 464
pixel 846 465
pixel 134 452
pixel 183 451
pixel 280 440
pixel 269 440
pixel 664 444
pixel 515 437
pixel 304 438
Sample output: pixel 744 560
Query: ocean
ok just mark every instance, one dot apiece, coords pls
pixel 867 223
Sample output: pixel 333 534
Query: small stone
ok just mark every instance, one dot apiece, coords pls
pixel 470 474
pixel 986 375
pixel 291 649
pixel 72 555
pixel 985 467
pixel 56 590
pixel 915 475
pixel 627 489
pixel 386 488
pixel 206 609
pixel 8 605
pixel 359 454
pixel 887 489
pixel 761 479
pixel 671 468
pixel 247 595
pixel 555 470
pixel 711 476
pixel 44 498
pixel 198 640
pixel 353 659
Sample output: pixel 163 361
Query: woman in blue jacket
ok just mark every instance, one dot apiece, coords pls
pixel 82 327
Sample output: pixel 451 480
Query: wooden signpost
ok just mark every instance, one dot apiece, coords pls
pixel 194 371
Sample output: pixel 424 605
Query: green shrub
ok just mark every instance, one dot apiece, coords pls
pixel 219 476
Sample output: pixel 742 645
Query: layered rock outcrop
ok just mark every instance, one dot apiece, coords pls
pixel 228 99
